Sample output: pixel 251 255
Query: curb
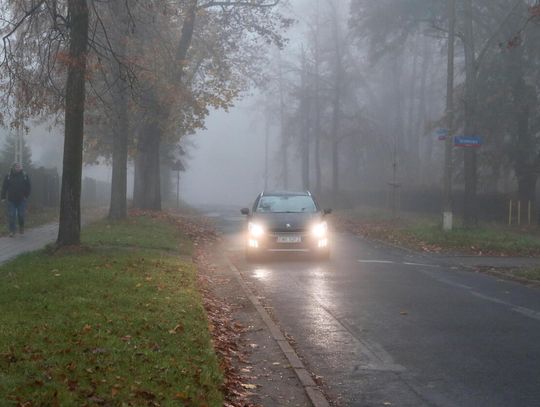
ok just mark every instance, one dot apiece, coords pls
pixel 313 392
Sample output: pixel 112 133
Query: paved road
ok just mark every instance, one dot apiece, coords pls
pixel 386 327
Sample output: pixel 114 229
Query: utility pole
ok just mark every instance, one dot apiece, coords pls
pixel 447 206
pixel 284 137
pixel 266 142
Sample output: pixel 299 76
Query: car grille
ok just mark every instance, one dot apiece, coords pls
pixel 288 230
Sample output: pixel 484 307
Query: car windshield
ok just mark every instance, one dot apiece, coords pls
pixel 286 204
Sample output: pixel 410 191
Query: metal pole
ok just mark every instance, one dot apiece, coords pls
pixel 510 213
pixel 447 208
pixel 266 143
pixel 178 189
pixel 519 213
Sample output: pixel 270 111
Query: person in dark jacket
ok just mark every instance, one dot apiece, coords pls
pixel 16 189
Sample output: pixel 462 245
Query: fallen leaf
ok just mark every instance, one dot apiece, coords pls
pixel 178 328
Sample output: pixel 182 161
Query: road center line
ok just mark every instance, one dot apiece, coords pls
pixel 422 265
pixel 397 262
pixel 521 310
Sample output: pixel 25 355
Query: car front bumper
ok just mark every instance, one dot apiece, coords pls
pixel 287 242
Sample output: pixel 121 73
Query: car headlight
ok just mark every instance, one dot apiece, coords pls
pixel 255 229
pixel 320 229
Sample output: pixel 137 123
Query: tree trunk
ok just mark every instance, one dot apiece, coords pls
pixel 525 164
pixel 118 204
pixel 147 185
pixel 283 135
pixel 69 232
pixel 336 105
pixel 421 118
pixel 470 210
pixel 305 112
pixel 412 137
pixel 317 130
pixel 147 182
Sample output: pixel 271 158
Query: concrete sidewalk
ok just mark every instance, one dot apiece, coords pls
pixel 39 237
pixel 33 239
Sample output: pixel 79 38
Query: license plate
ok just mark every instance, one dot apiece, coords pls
pixel 289 239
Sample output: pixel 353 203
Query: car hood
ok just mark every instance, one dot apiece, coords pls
pixel 279 221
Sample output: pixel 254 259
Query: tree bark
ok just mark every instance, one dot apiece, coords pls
pixel 147 190
pixel 336 105
pixel 470 210
pixel 69 232
pixel 305 112
pixel 317 152
pixel 118 204
pixel 525 164
pixel 147 184
pixel 421 117
pixel 283 135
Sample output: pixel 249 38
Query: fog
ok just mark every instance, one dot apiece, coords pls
pixel 353 106
pixel 227 163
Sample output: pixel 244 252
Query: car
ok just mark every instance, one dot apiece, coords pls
pixel 281 222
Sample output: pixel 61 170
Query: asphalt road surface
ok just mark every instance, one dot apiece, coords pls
pixel 385 327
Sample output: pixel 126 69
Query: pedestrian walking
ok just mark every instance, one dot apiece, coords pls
pixel 16 190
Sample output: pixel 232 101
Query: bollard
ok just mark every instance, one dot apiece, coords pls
pixel 519 213
pixel 529 212
pixel 510 213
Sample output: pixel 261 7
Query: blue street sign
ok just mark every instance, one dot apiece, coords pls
pixel 468 141
pixel 441 134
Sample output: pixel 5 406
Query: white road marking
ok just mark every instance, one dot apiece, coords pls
pixel 521 310
pixel 398 262
pixel 422 265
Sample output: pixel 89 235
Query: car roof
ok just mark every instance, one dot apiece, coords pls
pixel 285 193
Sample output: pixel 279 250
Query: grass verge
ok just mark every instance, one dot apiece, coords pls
pixel 424 233
pixel 119 322
pixel 530 275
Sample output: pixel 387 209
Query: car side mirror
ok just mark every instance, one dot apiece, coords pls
pixel 244 211
pixel 327 211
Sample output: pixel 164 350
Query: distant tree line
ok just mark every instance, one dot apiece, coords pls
pixel 361 99
pixel 128 79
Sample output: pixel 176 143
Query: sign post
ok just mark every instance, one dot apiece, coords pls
pixel 468 141
pixel 178 166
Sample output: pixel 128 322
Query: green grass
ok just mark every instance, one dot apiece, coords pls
pixel 119 322
pixel 421 231
pixel 492 239
pixel 141 232
pixel 530 274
